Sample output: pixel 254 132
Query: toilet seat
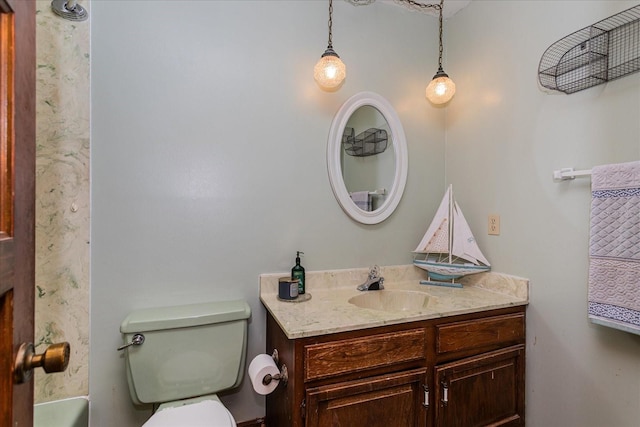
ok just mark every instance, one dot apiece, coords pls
pixel 204 413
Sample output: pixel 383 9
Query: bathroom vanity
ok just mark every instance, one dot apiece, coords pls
pixel 456 358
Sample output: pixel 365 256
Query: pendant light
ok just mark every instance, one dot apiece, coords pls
pixel 330 71
pixel 442 88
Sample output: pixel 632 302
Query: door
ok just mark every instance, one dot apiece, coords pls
pixel 17 204
pixel 398 399
pixel 484 390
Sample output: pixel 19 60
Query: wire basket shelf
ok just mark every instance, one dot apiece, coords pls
pixel 368 143
pixel 604 51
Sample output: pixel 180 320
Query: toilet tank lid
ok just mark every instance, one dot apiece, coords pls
pixel 183 316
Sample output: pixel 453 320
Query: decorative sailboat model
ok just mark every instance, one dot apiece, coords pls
pixel 448 249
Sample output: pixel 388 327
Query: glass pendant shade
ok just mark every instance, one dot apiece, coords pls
pixel 441 89
pixel 330 71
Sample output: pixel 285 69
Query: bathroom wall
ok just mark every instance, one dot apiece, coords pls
pixel 208 143
pixel 208 168
pixel 62 199
pixel 504 138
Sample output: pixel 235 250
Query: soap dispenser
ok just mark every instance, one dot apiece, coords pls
pixel 297 272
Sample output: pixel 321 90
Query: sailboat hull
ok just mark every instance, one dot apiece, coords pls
pixel 444 271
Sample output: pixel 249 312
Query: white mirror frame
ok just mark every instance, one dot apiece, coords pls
pixel 334 146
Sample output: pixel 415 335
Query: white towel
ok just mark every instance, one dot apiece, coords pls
pixel 614 247
pixel 362 199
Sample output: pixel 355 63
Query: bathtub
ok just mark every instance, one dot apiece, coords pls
pixel 72 412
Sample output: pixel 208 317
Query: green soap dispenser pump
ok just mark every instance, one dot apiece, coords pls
pixel 297 272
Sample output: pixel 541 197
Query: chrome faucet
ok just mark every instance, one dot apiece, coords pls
pixel 374 282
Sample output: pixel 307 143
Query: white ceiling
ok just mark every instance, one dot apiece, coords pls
pixel 451 7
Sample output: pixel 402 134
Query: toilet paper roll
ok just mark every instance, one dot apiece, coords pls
pixel 261 366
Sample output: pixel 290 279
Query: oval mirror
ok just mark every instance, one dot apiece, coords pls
pixel 367 158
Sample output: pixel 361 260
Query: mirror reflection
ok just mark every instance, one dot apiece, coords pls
pixel 367 158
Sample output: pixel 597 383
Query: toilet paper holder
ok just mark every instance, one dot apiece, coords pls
pixel 282 376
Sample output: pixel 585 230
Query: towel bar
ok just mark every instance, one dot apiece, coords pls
pixel 569 173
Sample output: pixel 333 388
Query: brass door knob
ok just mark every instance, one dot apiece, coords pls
pixel 54 359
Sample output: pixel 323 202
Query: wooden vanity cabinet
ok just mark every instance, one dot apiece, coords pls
pixel 465 370
pixel 479 372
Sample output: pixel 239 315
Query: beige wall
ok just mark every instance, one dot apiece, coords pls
pixel 62 199
pixel 208 149
pixel 504 138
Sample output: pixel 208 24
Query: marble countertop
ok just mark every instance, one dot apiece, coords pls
pixel 328 310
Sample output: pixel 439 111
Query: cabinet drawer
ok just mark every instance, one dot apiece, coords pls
pixel 498 330
pixel 359 354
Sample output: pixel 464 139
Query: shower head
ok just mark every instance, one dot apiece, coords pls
pixel 69 9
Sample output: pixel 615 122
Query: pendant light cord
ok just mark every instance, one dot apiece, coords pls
pixel 330 45
pixel 440 35
pixel 439 7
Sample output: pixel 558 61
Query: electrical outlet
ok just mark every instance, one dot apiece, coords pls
pixel 494 224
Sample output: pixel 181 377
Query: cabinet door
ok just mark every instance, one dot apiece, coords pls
pixel 386 400
pixel 483 390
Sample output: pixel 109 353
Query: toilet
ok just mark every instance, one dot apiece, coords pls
pixel 188 353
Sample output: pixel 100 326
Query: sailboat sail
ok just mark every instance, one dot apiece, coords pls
pixel 449 233
pixel 436 239
pixel 464 244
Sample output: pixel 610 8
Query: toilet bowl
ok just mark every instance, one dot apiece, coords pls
pixel 179 357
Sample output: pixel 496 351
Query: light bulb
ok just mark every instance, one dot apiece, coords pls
pixel 440 90
pixel 330 71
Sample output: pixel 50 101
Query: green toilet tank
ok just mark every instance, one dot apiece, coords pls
pixel 188 350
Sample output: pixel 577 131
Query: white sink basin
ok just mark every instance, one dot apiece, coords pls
pixel 387 300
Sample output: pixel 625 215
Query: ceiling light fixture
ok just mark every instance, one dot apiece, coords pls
pixel 441 89
pixel 330 71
